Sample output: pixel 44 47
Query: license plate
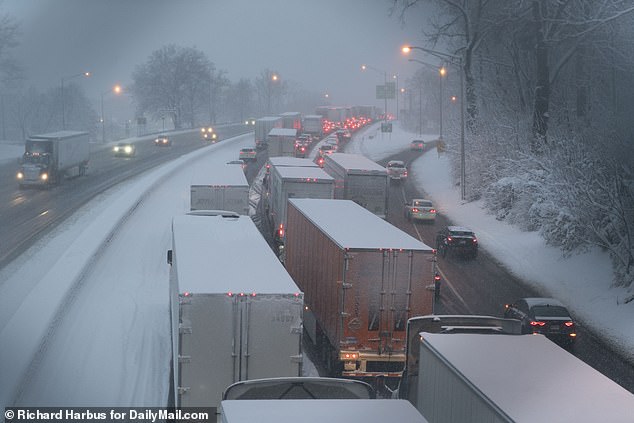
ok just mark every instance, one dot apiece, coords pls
pixel 554 328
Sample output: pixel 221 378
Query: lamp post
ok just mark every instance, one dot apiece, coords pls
pixel 364 67
pixel 444 56
pixel 66 78
pixel 116 90
pixel 273 78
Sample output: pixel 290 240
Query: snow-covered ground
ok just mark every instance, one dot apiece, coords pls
pixel 111 344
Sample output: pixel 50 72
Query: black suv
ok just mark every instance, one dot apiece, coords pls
pixel 545 316
pixel 457 239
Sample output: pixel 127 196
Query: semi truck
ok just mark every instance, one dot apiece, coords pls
pixel 292 120
pixel 362 280
pixel 314 125
pixel 235 312
pixel 49 158
pixel 225 190
pixel 262 128
pixel 359 179
pixel 512 378
pixel 294 182
pixel 281 142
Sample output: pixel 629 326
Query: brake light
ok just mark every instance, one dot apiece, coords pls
pixel 414 210
pixel 475 240
pixel 569 324
pixel 449 239
pixel 537 323
pixel 432 210
pixel 280 231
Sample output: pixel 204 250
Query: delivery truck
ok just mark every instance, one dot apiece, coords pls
pixel 314 125
pixel 227 189
pixel 292 120
pixel 477 378
pixel 236 314
pixel 49 158
pixel 359 179
pixel 362 279
pixel 294 182
pixel 262 128
pixel 281 142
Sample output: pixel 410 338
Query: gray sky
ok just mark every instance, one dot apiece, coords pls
pixel 318 44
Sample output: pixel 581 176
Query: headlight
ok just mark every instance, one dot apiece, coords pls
pixel 116 149
pixel 44 176
pixel 20 175
pixel 128 149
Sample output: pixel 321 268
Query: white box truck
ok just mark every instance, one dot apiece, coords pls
pixel 294 182
pixel 226 190
pixel 314 125
pixel 281 142
pixel 359 179
pixel 48 158
pixel 262 128
pixel 467 377
pixel 235 312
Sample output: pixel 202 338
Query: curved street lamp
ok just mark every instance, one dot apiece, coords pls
pixel 445 56
pixel 66 78
pixel 115 90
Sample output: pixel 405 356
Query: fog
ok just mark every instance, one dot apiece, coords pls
pixel 318 45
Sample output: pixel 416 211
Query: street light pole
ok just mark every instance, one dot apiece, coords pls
pixel 444 56
pixel 396 78
pixel 66 78
pixel 117 90
pixel 364 67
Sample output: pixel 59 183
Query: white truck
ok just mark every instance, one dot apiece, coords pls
pixel 226 190
pixel 281 142
pixel 512 378
pixel 262 128
pixel 48 158
pixel 236 314
pixel 313 124
pixel 292 120
pixel 359 179
pixel 294 182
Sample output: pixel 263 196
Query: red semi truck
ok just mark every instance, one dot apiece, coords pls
pixel 362 280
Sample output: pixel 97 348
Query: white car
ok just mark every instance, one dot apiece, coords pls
pixel 396 170
pixel 420 209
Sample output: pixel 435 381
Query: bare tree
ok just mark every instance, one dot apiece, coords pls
pixel 172 83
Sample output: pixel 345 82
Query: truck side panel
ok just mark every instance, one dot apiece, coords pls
pixel 445 396
pixel 369 191
pixel 72 152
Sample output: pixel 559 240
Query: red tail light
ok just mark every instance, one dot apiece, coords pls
pixel 449 239
pixel 569 324
pixel 534 323
pixel 475 240
pixel 414 210
pixel 432 210
pixel 280 231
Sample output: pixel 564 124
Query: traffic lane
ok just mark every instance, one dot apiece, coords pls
pixel 483 286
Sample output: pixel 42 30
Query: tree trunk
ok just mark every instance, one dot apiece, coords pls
pixel 542 88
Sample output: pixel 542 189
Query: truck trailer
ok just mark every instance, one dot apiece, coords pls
pixel 226 190
pixel 262 128
pixel 362 279
pixel 512 378
pixel 48 158
pixel 359 179
pixel 235 312
pixel 281 142
pixel 294 182
pixel 314 125
pixel 292 120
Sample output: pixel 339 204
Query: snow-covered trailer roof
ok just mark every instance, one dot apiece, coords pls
pixel 291 161
pixel 269 119
pixel 321 410
pixel 283 132
pixel 227 175
pixel 57 135
pixel 353 163
pixel 313 173
pixel 353 227
pixel 290 114
pixel 531 379
pixel 216 254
